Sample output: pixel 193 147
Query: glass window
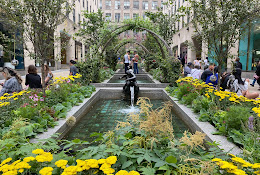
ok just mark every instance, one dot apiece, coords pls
pixel 126 4
pixel 136 4
pixel 100 4
pixel 108 4
pixel 161 5
pixel 188 17
pixel 87 5
pixel 90 8
pixel 126 15
pixel 74 17
pixel 183 22
pixel 83 3
pixel 117 17
pixel 108 16
pixel 145 5
pixel 135 15
pixel 154 5
pixel 79 19
pixel 117 4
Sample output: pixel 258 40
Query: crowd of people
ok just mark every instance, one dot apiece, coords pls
pixel 13 81
pixel 231 81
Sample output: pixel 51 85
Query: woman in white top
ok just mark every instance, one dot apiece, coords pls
pixel 241 87
pixel 195 73
pixel 197 62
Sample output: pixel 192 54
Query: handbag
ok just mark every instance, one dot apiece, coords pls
pixel 256 77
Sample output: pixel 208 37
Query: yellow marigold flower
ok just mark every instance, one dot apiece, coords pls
pixel 28 159
pixel 256 165
pixel 105 165
pixel 6 161
pixel 16 98
pixel 46 171
pixel 108 171
pixel 45 157
pixel 122 172
pixel 216 160
pixel 22 165
pixel 101 161
pixel 92 163
pixel 61 163
pixel 12 172
pixel 257 172
pixel 111 160
pixel 133 173
pixel 38 151
pixel 71 170
pixel 21 170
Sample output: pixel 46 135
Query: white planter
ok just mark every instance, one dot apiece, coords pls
pixel 9 64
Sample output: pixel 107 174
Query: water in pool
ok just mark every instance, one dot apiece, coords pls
pixel 104 114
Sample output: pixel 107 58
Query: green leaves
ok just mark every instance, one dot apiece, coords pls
pixel 171 159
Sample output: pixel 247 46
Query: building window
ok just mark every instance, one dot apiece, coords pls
pixel 136 4
pixel 154 5
pixel 117 17
pixel 108 4
pixel 126 15
pixel 161 5
pixel 145 5
pixel 175 7
pixel 135 15
pixel 83 3
pixel 84 27
pixel 100 4
pixel 179 4
pixel 87 6
pixel 117 4
pixel 108 16
pixel 183 22
pixel 79 18
pixel 126 4
pixel 90 8
pixel 188 17
pixel 74 17
pixel 95 2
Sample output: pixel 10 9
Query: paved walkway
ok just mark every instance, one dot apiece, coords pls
pixel 57 73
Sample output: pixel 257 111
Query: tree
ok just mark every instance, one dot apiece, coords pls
pixel 221 23
pixel 36 20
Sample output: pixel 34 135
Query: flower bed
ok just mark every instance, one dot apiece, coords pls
pixel 233 116
pixel 27 113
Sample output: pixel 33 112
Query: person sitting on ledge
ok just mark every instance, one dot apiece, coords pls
pixel 12 81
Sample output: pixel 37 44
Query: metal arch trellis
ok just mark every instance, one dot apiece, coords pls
pixel 157 37
pixel 118 46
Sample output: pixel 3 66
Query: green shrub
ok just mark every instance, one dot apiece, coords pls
pixel 187 99
pixel 237 115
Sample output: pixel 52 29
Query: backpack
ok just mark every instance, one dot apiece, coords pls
pixel 212 78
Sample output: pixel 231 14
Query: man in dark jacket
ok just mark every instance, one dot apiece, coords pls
pixel 207 72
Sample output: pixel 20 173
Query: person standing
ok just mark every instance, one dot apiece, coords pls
pixel 195 73
pixel 135 61
pixel 187 69
pixel 238 67
pixel 197 62
pixel 12 81
pixel 32 78
pixel 126 60
pixel 48 74
pixel 73 68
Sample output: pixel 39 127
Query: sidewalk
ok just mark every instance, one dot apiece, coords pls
pixel 57 73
